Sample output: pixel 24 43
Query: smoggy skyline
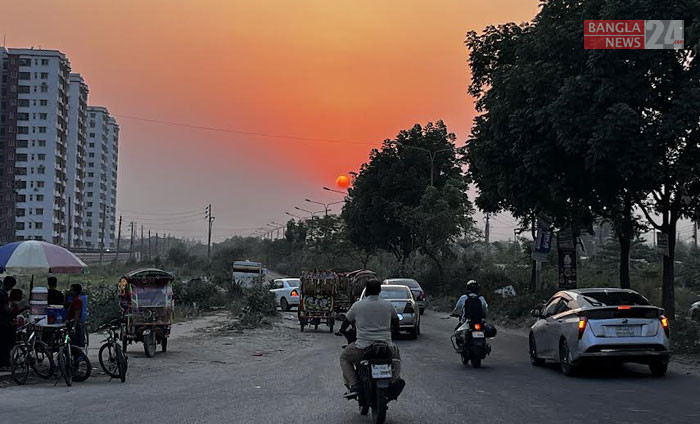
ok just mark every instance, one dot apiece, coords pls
pixel 353 71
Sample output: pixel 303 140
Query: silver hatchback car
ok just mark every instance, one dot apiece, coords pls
pixel 603 323
pixel 405 305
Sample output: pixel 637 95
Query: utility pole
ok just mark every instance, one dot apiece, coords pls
pixel 695 232
pixel 119 238
pixel 210 221
pixel 131 241
pixel 102 231
pixel 157 253
pixel 149 245
pixel 70 222
pixel 141 246
pixel 487 235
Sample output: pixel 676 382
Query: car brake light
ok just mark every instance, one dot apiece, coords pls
pixel 421 296
pixel 664 324
pixel 477 326
pixel 582 322
pixel 294 293
pixel 624 307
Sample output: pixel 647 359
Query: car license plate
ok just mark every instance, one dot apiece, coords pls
pixel 478 334
pixel 381 371
pixel 625 331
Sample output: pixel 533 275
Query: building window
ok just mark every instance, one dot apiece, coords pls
pixel 41 156
pixel 39 211
pixel 39 197
pixel 39 225
pixel 44 75
pixel 42 130
pixel 19 226
pixel 43 116
pixel 44 62
pixel 92 135
pixel 42 143
pixel 43 102
pixel 44 88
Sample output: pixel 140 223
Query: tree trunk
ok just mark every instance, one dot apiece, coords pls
pixel 533 275
pixel 625 247
pixel 668 297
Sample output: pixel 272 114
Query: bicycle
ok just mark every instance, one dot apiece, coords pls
pixel 113 359
pixel 73 362
pixel 30 353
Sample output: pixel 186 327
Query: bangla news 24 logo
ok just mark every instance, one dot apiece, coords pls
pixel 633 34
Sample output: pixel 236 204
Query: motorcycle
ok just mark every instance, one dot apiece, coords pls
pixel 375 371
pixel 470 341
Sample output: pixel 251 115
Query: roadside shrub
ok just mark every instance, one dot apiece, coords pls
pixel 202 293
pixel 259 300
pixel 685 336
pixel 102 305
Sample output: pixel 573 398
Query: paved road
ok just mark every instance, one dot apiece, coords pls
pixel 281 376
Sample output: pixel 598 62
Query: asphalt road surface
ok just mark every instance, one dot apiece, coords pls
pixel 279 375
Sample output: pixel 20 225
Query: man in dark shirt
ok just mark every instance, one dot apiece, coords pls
pixel 7 335
pixel 75 310
pixel 55 296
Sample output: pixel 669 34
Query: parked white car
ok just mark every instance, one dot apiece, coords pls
pixel 600 324
pixel 287 292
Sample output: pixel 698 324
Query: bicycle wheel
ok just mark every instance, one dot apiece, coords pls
pixel 64 364
pixel 121 362
pixel 108 360
pixel 42 363
pixel 19 365
pixel 82 368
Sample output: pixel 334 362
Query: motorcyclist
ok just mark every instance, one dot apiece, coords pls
pixel 471 306
pixel 373 318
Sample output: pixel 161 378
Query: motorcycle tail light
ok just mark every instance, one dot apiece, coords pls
pixel 582 322
pixel 477 326
pixel 664 324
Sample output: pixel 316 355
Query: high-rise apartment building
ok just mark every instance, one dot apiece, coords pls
pixel 101 181
pixel 34 145
pixel 58 157
pixel 77 135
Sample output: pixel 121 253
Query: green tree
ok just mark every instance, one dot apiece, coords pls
pixel 611 129
pixel 390 207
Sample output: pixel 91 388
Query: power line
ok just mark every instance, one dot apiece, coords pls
pixel 233 131
pixel 200 210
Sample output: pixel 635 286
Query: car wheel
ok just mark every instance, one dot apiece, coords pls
pixel 565 359
pixel 422 310
pixel 658 367
pixel 284 305
pixel 418 329
pixel 534 360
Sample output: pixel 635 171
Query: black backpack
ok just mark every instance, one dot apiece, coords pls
pixel 473 309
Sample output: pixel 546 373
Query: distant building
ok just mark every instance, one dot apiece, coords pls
pixel 77 143
pixel 34 145
pixel 46 164
pixel 101 178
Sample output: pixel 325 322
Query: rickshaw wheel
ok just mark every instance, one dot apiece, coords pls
pixel 149 345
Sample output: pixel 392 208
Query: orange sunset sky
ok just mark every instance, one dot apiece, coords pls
pixel 356 70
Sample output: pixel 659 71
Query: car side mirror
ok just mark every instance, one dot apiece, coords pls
pixel 537 313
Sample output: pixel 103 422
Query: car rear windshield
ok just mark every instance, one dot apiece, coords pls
pixel 412 284
pixel 613 298
pixel 394 293
pixel 293 283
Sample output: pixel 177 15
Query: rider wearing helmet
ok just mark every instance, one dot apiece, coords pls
pixel 471 306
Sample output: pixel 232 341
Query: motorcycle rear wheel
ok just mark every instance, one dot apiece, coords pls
pixel 379 409
pixel 476 362
pixel 364 410
pixel 465 358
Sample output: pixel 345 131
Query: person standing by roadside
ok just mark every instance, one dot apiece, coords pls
pixel 75 311
pixel 55 295
pixel 7 335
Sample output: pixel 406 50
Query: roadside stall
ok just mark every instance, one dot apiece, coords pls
pixel 32 258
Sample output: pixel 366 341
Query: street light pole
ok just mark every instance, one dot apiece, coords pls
pixel 336 191
pixel 326 206
pixel 432 154
pixel 307 211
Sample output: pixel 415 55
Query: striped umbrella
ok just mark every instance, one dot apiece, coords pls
pixel 38 257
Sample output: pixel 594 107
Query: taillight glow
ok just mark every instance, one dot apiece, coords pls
pixel 582 322
pixel 624 307
pixel 477 326
pixel 294 293
pixel 664 324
